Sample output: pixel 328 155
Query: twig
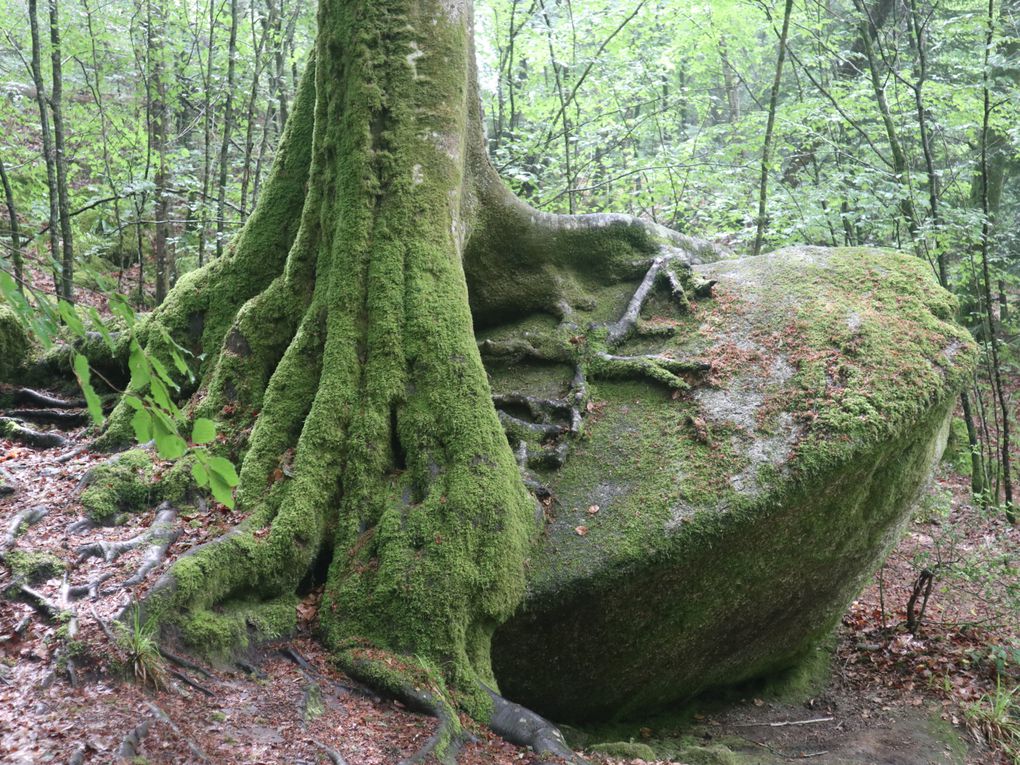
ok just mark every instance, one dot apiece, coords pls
pixel 785 723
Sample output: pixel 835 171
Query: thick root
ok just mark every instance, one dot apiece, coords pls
pixel 522 727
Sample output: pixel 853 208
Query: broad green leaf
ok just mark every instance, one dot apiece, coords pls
pixel 139 366
pixel 222 491
pixel 224 468
pixel 141 423
pixel 203 431
pixel 81 371
pixel 200 474
pixel 70 317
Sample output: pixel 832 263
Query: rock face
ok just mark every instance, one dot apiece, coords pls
pixel 703 538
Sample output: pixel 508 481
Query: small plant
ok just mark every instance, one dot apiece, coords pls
pixel 997 717
pixel 137 640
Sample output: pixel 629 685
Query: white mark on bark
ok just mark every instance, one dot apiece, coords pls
pixel 417 175
pixel 412 58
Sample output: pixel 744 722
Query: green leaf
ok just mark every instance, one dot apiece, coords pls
pixel 223 493
pixel 81 371
pixel 200 474
pixel 141 422
pixel 169 445
pixel 203 431
pixel 70 317
pixel 139 366
pixel 223 468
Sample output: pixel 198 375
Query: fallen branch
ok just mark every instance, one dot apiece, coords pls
pixel 785 723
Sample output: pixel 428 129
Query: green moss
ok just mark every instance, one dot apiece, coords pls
pixel 14 344
pixel 727 552
pixel 626 749
pixel 707 755
pixel 34 567
pixel 124 485
pixel 957 454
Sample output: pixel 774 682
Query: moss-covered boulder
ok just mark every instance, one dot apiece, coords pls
pixel 703 538
pixel 14 344
pixel 131 483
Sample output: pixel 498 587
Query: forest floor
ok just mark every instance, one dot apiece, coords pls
pixel 67 693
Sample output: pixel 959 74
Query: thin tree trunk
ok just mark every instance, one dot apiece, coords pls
pixel 47 145
pixel 156 93
pixel 60 157
pixel 986 233
pixel 228 127
pixel 12 214
pixel 97 95
pixel 766 153
pixel 899 158
pixel 253 94
pixel 919 39
pixel 207 134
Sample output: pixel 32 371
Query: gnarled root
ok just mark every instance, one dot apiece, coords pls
pixel 522 727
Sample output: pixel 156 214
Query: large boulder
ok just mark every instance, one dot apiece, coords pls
pixel 704 538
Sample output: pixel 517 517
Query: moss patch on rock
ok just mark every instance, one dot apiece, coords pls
pixel 14 343
pixel 704 539
pixel 34 567
pixel 626 749
pixel 131 483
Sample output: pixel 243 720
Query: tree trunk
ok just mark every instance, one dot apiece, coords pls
pixel 60 158
pixel 12 214
pixel 47 143
pixel 228 127
pixel 158 130
pixel 343 315
pixel 766 152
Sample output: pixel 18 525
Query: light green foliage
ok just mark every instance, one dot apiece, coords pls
pixel 138 640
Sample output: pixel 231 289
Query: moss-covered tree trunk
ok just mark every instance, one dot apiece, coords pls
pixel 339 327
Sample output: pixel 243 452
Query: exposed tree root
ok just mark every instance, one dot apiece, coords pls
pixel 19 523
pixel 528 419
pixel 33 438
pixel 131 746
pixel 61 418
pixel 191 683
pixel 522 727
pixel 160 534
pixel 334 756
pixel 42 605
pixel 164 718
pixel 38 398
